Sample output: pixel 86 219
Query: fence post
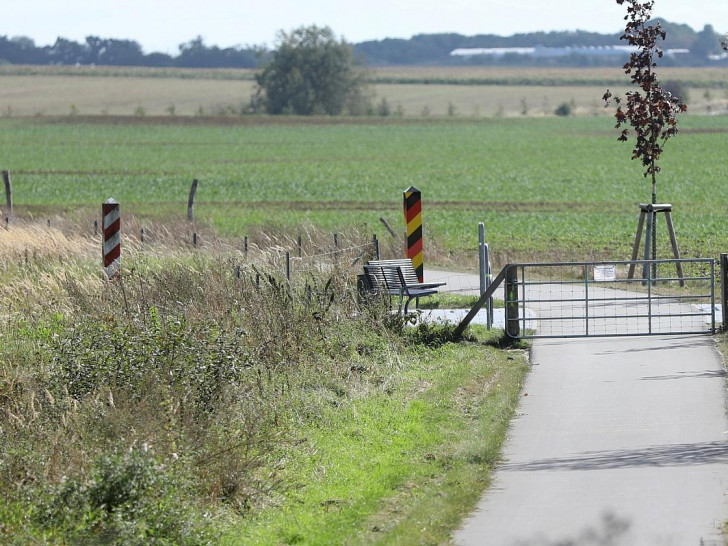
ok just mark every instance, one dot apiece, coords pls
pixel 481 256
pixel 513 327
pixel 724 289
pixel 489 275
pixel 191 201
pixel 383 220
pixel 111 245
pixel 300 246
pixel 375 242
pixel 413 218
pixel 288 266
pixel 245 248
pixel 8 192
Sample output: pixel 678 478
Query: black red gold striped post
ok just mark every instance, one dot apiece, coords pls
pixel 413 219
pixel 112 238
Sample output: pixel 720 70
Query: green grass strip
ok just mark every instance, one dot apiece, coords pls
pixel 404 465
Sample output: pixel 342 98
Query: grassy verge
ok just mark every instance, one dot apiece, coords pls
pixel 205 398
pixel 405 464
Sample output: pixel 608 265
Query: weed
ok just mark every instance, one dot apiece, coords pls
pixel 433 335
pixel 127 498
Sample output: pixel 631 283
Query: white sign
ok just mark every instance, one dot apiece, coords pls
pixel 605 272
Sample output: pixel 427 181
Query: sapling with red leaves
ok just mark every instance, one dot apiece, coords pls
pixel 650 111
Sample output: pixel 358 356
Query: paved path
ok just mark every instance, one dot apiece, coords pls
pixel 618 441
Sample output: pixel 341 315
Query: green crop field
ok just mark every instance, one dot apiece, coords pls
pixel 543 187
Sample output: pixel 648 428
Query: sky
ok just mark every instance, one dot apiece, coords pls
pixel 162 25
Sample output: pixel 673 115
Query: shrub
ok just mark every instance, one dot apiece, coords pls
pixel 677 89
pixel 563 109
pixel 128 498
pixel 384 109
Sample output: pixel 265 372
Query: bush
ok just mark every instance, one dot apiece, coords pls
pixel 384 109
pixel 563 109
pixel 128 498
pixel 677 89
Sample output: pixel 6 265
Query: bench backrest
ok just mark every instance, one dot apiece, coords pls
pixel 408 270
pixel 388 277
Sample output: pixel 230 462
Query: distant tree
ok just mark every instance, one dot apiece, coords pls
pixel 195 54
pixel 66 52
pixel 311 71
pixel 677 89
pixel 705 43
pixel 111 52
pixel 21 50
pixel 158 59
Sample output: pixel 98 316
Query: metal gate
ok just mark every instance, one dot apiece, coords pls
pixel 585 299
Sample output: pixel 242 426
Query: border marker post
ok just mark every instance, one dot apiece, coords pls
pixel 111 245
pixel 413 218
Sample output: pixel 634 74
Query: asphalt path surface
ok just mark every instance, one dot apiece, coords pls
pixel 619 440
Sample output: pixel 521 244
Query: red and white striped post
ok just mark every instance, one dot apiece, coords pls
pixel 112 238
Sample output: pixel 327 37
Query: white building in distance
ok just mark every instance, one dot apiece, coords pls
pixel 541 51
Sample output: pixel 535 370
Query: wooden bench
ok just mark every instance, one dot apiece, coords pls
pixel 390 278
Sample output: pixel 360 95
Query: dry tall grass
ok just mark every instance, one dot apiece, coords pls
pixel 201 356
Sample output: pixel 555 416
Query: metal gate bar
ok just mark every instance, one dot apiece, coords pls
pixel 571 300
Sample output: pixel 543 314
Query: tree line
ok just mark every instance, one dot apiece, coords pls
pixel 422 49
pixel 434 49
pixel 113 52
